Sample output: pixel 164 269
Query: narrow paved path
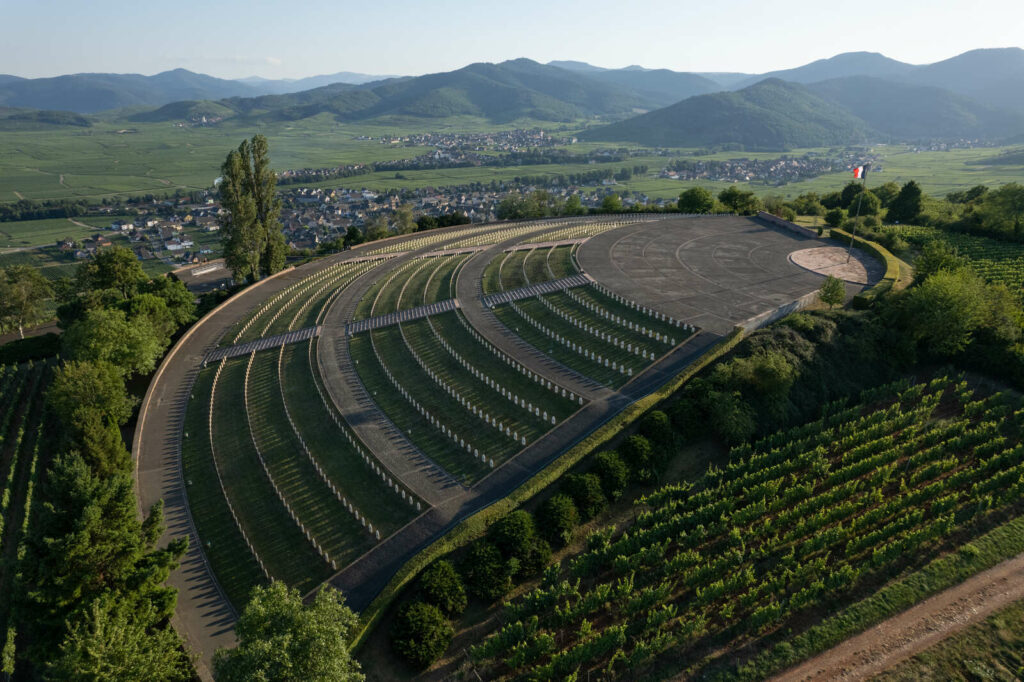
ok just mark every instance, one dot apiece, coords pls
pixel 468 291
pixel 203 616
pixel 919 627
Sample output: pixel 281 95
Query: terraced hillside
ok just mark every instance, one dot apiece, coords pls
pixel 367 400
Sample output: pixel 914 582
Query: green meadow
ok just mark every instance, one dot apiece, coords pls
pixel 117 158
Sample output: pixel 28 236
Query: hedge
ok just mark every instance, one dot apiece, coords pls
pixel 476 525
pixel 897 273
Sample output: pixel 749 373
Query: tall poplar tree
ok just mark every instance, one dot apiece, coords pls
pixel 251 231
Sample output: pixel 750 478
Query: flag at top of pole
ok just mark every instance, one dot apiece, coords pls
pixel 860 172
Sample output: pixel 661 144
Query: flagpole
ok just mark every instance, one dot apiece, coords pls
pixel 860 198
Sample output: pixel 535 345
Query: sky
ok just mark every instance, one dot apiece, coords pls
pixel 277 39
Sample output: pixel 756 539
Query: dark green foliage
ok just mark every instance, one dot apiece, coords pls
pixel 642 458
pixel 557 518
pixel 281 638
pixel 657 428
pixel 740 201
pixel 585 490
pixel 119 640
pixel 949 309
pixel 832 291
pixel 485 573
pixel 696 200
pixel 441 586
pixel 421 634
pixel 613 472
pixel 786 372
pixel 513 535
pixel 251 231
pixel 907 205
pixel 937 256
pixel 32 348
pixel 87 541
pixel 23 291
pixel 835 217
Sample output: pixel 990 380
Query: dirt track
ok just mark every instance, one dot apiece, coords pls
pixel 917 628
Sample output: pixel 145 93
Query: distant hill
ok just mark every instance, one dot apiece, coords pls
pixel 994 77
pixel 86 93
pixel 283 86
pixel 769 115
pixel 28 119
pixel 840 66
pixel 507 91
pixel 906 112
pixel 571 65
pixel 660 86
pixel 7 78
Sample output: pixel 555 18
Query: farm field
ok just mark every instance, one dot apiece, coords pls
pixel 27 233
pixel 992 259
pixel 23 457
pixel 117 158
pixel 743 556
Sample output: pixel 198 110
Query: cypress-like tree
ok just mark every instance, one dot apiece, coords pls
pixel 251 231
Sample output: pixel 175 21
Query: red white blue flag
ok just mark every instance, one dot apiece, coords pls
pixel 860 172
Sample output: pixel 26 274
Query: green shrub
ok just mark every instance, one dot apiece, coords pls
pixel 557 518
pixel 656 427
pixel 441 586
pixel 585 490
pixel 485 573
pixel 613 472
pixel 639 455
pixel 421 634
pixel 513 535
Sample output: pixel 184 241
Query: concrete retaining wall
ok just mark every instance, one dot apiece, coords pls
pixel 786 225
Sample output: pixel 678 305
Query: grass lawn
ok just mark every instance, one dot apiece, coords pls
pixel 329 445
pixel 455 460
pixel 235 566
pixel 310 497
pixel 285 551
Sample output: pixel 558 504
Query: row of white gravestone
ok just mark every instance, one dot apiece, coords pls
pixel 220 480
pixel 510 361
pixel 491 383
pixel 359 447
pixel 338 281
pixel 266 470
pixel 464 402
pixel 426 414
pixel 290 289
pixel 309 455
pixel 572 345
pixel 601 311
pixel 629 303
pixel 635 349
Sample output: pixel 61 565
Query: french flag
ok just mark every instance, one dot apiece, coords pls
pixel 860 172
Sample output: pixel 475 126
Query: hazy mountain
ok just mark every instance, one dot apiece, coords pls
pixel 571 65
pixel 92 92
pixel 726 79
pixel 31 119
pixel 994 77
pixel 906 112
pixel 7 78
pixel 283 86
pixel 840 66
pixel 514 89
pixel 660 86
pixel 771 114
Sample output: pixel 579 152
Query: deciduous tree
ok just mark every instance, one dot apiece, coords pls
pixel 696 200
pixel 832 291
pixel 23 293
pixel 280 638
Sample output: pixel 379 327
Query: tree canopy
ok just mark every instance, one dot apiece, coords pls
pixel 251 234
pixel 282 639
pixel 23 294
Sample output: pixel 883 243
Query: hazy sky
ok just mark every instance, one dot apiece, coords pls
pixel 278 39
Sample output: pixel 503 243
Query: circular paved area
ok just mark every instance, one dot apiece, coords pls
pixel 860 268
pixel 714 272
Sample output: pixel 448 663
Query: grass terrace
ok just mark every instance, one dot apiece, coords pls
pixel 224 545
pixel 418 386
pixel 274 534
pixel 330 446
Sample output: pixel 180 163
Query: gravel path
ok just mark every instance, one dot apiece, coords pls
pixel 916 629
